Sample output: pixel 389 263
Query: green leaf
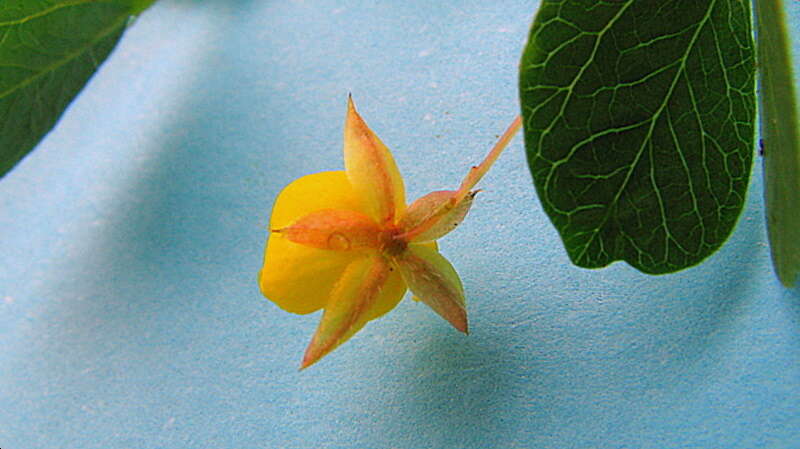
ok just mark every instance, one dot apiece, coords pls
pixel 781 137
pixel 48 51
pixel 639 126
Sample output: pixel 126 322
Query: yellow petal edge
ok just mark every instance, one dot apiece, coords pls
pixel 298 278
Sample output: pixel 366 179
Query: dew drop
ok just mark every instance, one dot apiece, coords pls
pixel 337 241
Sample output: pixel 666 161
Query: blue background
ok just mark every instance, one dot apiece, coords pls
pixel 130 316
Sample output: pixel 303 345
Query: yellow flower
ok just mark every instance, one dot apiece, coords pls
pixel 345 242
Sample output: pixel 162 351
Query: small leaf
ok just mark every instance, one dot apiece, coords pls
pixel 434 215
pixel 334 229
pixel 781 137
pixel 349 307
pixel 371 169
pixel 48 51
pixel 639 126
pixel 433 280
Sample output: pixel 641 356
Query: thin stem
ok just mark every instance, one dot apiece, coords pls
pixel 477 172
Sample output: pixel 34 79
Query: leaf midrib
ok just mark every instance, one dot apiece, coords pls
pixel 70 56
pixel 46 11
pixel 648 136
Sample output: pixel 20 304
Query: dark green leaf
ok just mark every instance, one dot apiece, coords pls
pixel 781 140
pixel 48 50
pixel 639 125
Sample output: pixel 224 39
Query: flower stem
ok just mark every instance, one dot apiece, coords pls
pixel 476 172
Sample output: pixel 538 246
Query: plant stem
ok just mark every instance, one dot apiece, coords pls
pixel 477 172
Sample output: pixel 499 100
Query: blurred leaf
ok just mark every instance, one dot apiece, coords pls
pixel 639 126
pixel 48 51
pixel 781 137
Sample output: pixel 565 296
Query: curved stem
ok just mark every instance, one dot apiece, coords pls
pixel 477 172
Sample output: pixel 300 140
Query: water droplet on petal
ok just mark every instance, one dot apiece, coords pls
pixel 337 241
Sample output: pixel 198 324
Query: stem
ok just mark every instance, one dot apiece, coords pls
pixel 477 172
pixel 780 128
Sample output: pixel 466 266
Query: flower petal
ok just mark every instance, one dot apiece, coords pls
pixel 298 278
pixel 371 169
pixel 311 193
pixel 367 287
pixel 434 215
pixel 334 229
pixel 434 281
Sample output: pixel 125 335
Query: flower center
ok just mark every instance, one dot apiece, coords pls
pixel 392 244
